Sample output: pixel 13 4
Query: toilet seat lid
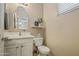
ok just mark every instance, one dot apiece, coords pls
pixel 43 48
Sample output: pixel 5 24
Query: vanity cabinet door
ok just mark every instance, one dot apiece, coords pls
pixel 27 49
pixel 23 47
pixel 12 51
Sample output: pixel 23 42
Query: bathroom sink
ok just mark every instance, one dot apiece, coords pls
pixel 17 36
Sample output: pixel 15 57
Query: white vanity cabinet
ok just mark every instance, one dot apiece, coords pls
pixel 12 51
pixel 26 49
pixel 19 47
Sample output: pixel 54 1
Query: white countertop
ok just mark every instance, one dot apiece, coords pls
pixel 17 36
pixel 20 37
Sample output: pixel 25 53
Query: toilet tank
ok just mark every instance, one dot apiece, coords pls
pixel 38 41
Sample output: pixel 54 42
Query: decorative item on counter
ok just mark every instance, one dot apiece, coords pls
pixel 40 21
pixel 36 23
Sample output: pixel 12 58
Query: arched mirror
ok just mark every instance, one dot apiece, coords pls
pixel 21 18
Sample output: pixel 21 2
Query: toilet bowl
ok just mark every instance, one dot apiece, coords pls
pixel 43 50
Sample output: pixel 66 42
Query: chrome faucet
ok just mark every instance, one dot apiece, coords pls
pixel 20 33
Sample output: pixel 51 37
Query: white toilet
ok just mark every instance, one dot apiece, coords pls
pixel 43 50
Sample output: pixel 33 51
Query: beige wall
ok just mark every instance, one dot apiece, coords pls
pixel 62 32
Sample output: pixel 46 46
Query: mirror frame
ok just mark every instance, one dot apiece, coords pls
pixel 15 18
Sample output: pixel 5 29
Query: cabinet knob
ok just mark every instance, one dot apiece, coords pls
pixel 17 47
pixel 22 46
